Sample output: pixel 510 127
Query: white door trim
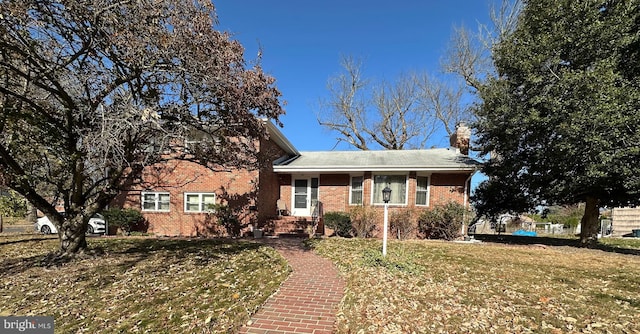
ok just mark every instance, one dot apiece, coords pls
pixel 306 211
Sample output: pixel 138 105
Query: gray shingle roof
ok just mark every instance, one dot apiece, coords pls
pixel 441 159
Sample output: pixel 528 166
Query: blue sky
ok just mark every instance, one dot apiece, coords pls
pixel 302 42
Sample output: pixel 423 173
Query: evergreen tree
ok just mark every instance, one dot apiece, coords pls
pixel 560 121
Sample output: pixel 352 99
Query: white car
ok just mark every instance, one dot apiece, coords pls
pixel 97 225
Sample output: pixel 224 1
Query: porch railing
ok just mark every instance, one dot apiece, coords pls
pixel 316 214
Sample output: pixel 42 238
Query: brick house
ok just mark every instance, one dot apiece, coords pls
pixel 317 182
pixel 174 197
pixel 291 192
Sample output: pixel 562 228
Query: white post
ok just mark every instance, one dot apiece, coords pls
pixel 384 233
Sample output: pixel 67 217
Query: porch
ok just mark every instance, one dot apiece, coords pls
pixel 284 224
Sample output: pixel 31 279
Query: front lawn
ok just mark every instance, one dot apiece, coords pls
pixel 139 285
pixel 438 287
pixel 628 243
pixel 186 286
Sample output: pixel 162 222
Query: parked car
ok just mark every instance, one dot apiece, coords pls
pixel 97 225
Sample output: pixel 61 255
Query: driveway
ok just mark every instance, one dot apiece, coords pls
pixel 17 228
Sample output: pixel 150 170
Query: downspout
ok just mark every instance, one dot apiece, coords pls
pixel 465 201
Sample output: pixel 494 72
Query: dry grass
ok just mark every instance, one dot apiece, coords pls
pixel 14 221
pixel 139 285
pixel 213 286
pixel 628 243
pixel 438 287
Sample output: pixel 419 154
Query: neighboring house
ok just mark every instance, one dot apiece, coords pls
pixel 624 221
pixel 291 193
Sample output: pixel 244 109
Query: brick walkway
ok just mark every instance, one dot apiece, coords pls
pixel 307 302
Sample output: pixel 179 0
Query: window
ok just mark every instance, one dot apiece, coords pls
pixel 155 201
pixel 199 202
pixel 422 190
pixel 300 192
pixel 200 141
pixel 398 185
pixel 356 190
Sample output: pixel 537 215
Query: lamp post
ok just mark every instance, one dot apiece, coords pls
pixel 386 197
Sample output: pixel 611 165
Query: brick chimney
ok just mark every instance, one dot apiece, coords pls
pixel 460 138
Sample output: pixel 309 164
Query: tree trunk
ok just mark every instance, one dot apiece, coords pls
pixel 589 225
pixel 72 236
pixel 32 213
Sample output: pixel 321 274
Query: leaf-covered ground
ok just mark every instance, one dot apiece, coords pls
pixel 438 287
pixel 14 221
pixel 139 285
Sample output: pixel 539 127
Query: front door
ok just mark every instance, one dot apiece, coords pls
pixel 305 196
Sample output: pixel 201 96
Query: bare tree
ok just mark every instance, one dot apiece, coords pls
pixel 467 57
pixel 407 112
pixel 92 92
pixel 345 110
pixel 469 53
pixel 388 114
pixel 400 121
pixel 444 101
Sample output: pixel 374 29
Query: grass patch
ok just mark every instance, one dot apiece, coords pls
pixel 14 221
pixel 140 285
pixel 631 243
pixel 431 286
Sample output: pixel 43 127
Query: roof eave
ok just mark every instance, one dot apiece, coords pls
pixel 351 169
pixel 279 139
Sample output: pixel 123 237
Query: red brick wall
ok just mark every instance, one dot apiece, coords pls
pixel 367 187
pixel 241 189
pixel 334 191
pixel 285 189
pixel 411 194
pixel 268 182
pixel 448 187
pixel 236 188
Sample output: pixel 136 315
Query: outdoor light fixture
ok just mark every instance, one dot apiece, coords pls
pixel 386 197
pixel 386 194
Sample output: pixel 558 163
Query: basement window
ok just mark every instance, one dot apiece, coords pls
pixel 155 201
pixel 199 202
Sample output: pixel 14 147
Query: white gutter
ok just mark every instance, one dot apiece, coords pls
pixel 466 199
pixel 287 169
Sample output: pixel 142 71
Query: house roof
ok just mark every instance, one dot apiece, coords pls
pixel 440 159
pixel 279 139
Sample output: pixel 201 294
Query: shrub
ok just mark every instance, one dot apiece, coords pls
pixel 12 204
pixel 441 221
pixel 126 219
pixel 364 221
pixel 340 222
pixel 228 218
pixel 403 224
